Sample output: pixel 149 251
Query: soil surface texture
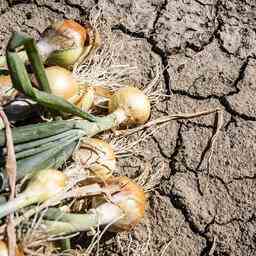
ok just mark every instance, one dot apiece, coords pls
pixel 207 49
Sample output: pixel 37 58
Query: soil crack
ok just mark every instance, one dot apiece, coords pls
pixel 178 145
pixel 157 50
pixel 225 103
pixel 159 14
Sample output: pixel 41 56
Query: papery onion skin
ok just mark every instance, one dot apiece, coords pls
pixel 134 102
pixel 65 40
pixel 4 250
pixel 98 155
pixel 71 29
pixel 131 200
pixel 85 98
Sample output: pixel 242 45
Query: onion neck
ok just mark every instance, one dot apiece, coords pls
pixel 22 200
pixel 121 116
pixel 45 49
pixel 65 223
pixel 103 123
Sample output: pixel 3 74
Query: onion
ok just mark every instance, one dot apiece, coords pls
pixel 122 211
pixel 42 186
pixel 63 43
pixel 46 183
pixel 61 82
pixel 98 156
pixel 4 250
pixel 133 102
pixel 72 30
pixel 20 109
pixel 131 200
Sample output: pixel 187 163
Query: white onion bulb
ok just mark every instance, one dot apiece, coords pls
pixel 134 102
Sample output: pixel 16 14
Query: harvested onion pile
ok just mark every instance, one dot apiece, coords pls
pixel 67 177
pixel 45 145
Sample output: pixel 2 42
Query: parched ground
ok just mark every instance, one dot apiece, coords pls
pixel 207 50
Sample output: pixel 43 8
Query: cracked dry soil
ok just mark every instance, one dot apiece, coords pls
pixel 208 52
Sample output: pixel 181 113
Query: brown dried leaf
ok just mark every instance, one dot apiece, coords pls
pixel 10 169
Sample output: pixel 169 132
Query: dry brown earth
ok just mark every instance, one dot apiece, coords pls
pixel 208 50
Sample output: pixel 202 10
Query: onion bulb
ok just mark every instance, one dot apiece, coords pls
pixel 98 156
pixel 122 211
pixel 42 186
pixel 63 43
pixel 130 199
pixel 61 82
pixel 46 183
pixel 133 102
pixel 4 250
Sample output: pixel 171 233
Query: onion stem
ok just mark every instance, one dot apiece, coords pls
pixel 57 155
pixel 3 60
pixel 61 223
pixel 19 202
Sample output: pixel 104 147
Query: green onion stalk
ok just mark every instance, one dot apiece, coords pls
pixel 122 212
pixel 42 186
pixel 46 145
pixel 21 80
